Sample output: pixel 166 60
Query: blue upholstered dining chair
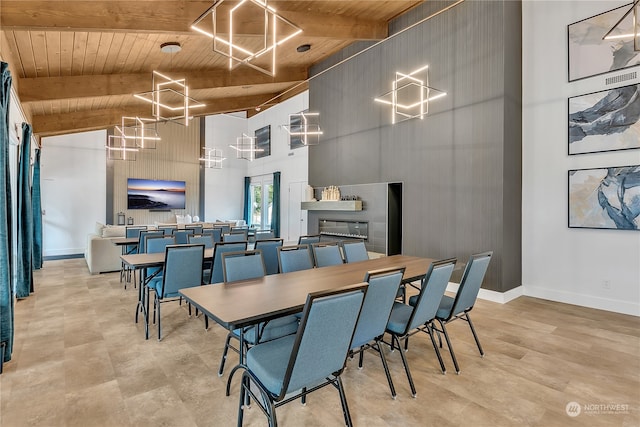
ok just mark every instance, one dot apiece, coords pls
pixel 246 265
pixel 215 232
pixel 406 320
pixel 326 254
pixel 217 275
pixel 182 269
pixel 144 235
pixel 376 309
pixel 354 251
pixel 197 228
pixel 234 237
pixel 264 235
pixel 205 239
pixel 308 240
pixel 132 231
pixel 269 248
pixel 182 236
pixel 294 258
pixel 459 306
pixel 168 229
pixel 156 244
pixel 284 369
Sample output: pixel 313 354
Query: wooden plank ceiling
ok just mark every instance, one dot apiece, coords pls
pixel 77 64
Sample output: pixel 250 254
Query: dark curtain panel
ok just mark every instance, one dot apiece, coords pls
pixel 24 270
pixel 36 202
pixel 275 207
pixel 246 208
pixel 6 291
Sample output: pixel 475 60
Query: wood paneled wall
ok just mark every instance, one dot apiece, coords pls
pixel 176 158
pixel 460 165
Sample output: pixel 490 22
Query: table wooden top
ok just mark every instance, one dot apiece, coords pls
pixel 249 302
pixel 153 259
pixel 124 241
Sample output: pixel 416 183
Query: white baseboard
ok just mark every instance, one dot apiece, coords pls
pixel 485 294
pixel 62 252
pixel 617 306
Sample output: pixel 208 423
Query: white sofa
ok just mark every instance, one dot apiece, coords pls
pixel 102 255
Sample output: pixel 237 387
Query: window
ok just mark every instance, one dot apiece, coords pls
pixel 261 203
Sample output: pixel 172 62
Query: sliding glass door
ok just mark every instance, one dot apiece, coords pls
pixel 261 203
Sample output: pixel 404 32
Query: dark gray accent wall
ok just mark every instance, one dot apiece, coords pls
pixel 461 164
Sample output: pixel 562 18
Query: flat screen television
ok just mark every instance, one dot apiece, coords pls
pixel 155 194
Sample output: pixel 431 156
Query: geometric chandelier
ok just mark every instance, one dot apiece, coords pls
pixel 121 148
pixel 303 129
pixel 170 99
pixel 142 131
pixel 245 147
pixel 274 31
pixel 410 95
pixel 212 158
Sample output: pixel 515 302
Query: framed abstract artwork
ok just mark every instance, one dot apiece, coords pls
pixel 605 121
pixel 263 142
pixel 605 198
pixel 590 53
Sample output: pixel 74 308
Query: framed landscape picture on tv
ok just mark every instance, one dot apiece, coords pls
pixel 263 142
pixel 155 194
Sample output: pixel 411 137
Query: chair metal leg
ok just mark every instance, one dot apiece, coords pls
pixel 453 355
pixel 406 366
pixel 361 358
pixel 475 336
pixel 343 400
pixel 245 380
pixel 435 347
pixel 157 307
pixel 386 369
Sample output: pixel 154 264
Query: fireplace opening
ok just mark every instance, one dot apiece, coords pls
pixel 344 229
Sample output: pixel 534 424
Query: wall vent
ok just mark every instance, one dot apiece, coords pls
pixel 620 78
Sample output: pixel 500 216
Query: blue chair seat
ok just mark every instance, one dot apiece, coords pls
pixel 269 360
pixel 399 317
pixel 273 329
pixel 445 307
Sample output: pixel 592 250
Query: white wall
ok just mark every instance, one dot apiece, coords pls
pixel 558 263
pixel 293 164
pixel 73 178
pixel 224 188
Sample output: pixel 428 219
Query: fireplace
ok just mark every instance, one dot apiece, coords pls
pixel 344 229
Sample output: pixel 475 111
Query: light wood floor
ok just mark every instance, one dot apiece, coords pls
pixel 80 360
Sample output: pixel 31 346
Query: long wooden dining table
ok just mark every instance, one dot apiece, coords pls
pixel 249 302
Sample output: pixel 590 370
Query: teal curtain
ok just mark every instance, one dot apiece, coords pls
pixel 36 204
pixel 6 291
pixel 24 270
pixel 247 197
pixel 275 207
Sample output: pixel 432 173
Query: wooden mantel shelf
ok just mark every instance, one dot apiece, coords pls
pixel 333 205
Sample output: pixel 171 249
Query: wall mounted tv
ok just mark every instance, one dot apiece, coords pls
pixel 155 194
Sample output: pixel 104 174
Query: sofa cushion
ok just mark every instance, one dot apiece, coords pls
pixel 99 227
pixel 113 231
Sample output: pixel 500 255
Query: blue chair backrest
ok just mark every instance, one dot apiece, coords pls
pixel 168 229
pixel 354 252
pixel 236 237
pixel 243 265
pixel 217 275
pixel 182 269
pixel 432 289
pixel 142 240
pixel 134 231
pixel 323 338
pixel 182 236
pixel 308 240
pixel 225 229
pixel 326 254
pixel 204 239
pixel 470 283
pixel 264 235
pixel 269 250
pixel 377 305
pixel 215 232
pixel 294 258
pixel 157 244
pixel 197 229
